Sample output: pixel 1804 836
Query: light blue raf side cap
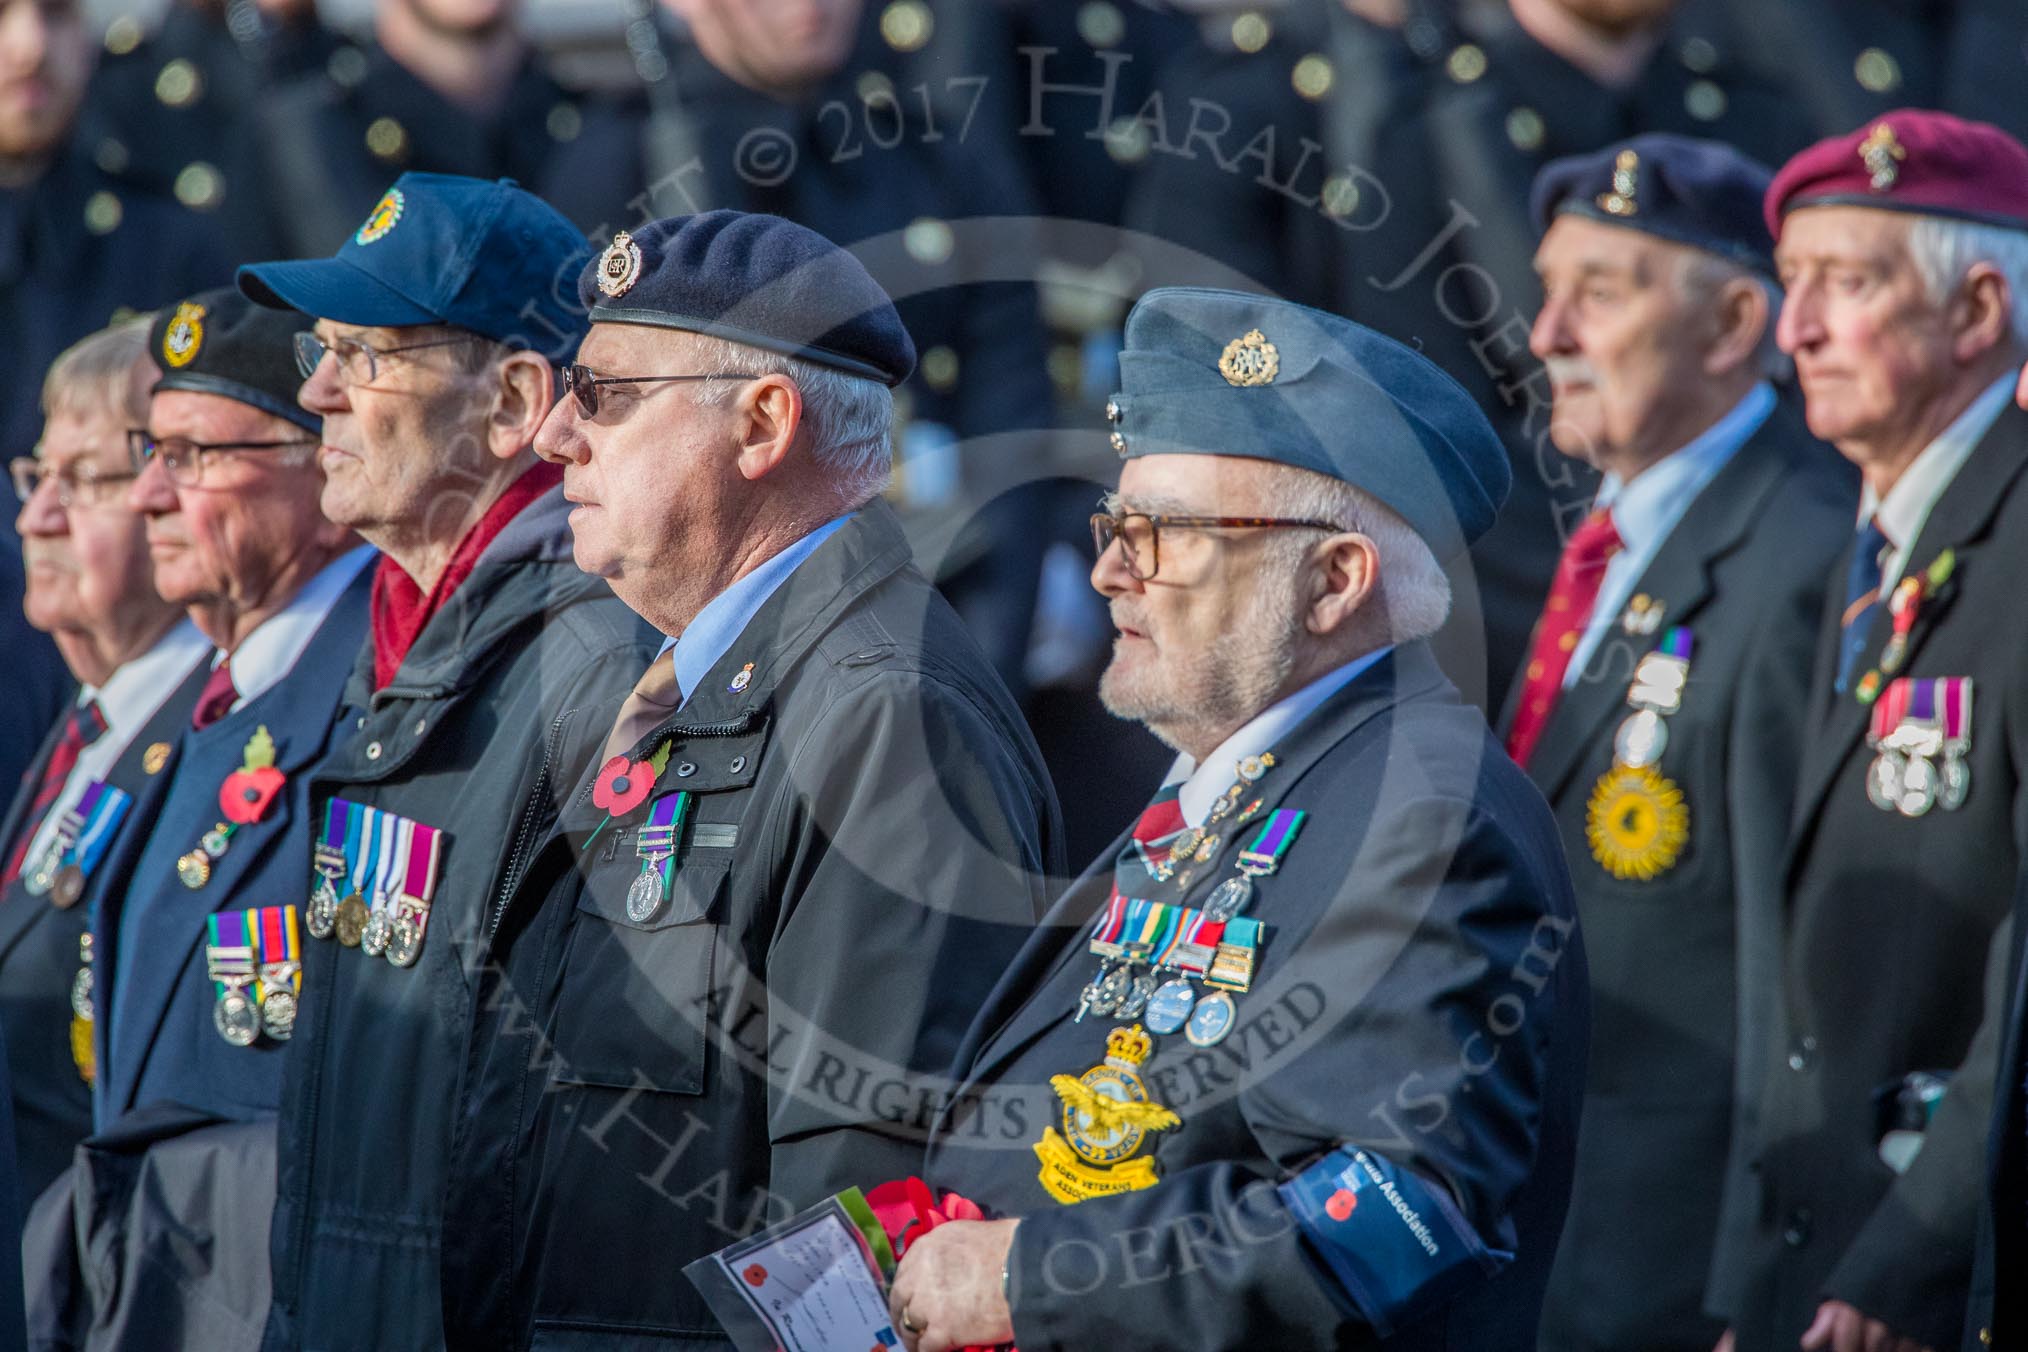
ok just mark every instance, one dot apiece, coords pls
pixel 1209 372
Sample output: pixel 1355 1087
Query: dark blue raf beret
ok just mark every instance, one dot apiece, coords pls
pixel 1700 193
pixel 219 342
pixel 482 256
pixel 753 279
pixel 1226 373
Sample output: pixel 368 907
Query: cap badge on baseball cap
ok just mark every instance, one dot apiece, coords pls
pixel 184 335
pixel 619 266
pixel 1879 152
pixel 1250 360
pixel 1626 183
pixel 386 214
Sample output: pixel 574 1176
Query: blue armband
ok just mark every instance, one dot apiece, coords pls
pixel 1399 1245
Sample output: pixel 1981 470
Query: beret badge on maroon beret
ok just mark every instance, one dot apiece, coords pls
pixel 619 266
pixel 1881 153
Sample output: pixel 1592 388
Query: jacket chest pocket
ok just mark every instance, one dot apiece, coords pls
pixel 634 994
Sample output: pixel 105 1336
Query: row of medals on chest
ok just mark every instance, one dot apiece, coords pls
pixel 242 1016
pixel 1123 990
pixel 377 929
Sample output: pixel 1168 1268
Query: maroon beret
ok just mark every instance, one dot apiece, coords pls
pixel 1910 160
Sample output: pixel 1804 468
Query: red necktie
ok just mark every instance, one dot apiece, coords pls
pixel 1161 821
pixel 83 727
pixel 216 701
pixel 1579 575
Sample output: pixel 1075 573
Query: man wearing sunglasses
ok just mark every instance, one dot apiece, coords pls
pixel 438 331
pixel 135 658
pixel 730 975
pixel 1297 1064
pixel 192 975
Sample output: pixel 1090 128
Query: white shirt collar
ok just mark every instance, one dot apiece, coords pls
pixel 272 650
pixel 137 688
pixel 1203 783
pixel 1906 508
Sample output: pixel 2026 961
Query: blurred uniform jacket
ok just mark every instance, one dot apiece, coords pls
pixel 455 741
pixel 870 835
pixel 1385 177
pixel 179 109
pixel 1998 1312
pixel 1744 570
pixel 1893 950
pixel 39 957
pixel 332 142
pixel 1420 995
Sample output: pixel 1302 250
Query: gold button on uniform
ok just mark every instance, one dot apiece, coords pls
pixel 1313 76
pixel 1251 31
pixel 102 213
pixel 1101 24
pixel 906 24
pixel 387 138
pixel 1466 63
pixel 179 84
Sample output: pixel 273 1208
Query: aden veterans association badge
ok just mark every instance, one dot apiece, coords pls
pixel 1637 822
pixel 1107 1117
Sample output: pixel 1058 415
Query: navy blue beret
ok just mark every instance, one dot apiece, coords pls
pixel 483 256
pixel 219 342
pixel 1701 193
pixel 753 279
pixel 1226 373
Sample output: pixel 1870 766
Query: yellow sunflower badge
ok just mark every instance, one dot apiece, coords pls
pixel 1637 822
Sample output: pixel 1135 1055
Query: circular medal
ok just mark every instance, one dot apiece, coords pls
pixel 1641 739
pixel 278 1013
pixel 1229 898
pixel 1883 780
pixel 373 936
pixel 68 888
pixel 215 841
pixel 193 870
pixel 81 987
pixel 1957 782
pixel 1918 787
pixel 320 917
pixel 1637 823
pixel 1169 1007
pixel 235 1018
pixel 1137 996
pixel 644 897
pixel 406 944
pixel 1211 1020
pixel 351 920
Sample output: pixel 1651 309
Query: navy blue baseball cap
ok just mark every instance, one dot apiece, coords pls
pixel 1701 193
pixel 1209 372
pixel 754 279
pixel 484 256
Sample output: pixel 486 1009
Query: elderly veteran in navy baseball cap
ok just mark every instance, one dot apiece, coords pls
pixel 1329 892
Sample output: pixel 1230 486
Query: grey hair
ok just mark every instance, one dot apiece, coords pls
pixel 1704 274
pixel 105 372
pixel 1944 250
pixel 849 419
pixel 1412 596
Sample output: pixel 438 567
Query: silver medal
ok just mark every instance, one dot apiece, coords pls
pixel 1110 989
pixel 374 938
pixel 1137 996
pixel 320 917
pixel 1229 898
pixel 81 987
pixel 1957 782
pixel 644 897
pixel 215 842
pixel 405 945
pixel 235 1018
pixel 278 1013
pixel 1169 1007
pixel 1918 787
pixel 1641 739
pixel 1883 780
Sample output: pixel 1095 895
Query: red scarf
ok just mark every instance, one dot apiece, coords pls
pixel 400 610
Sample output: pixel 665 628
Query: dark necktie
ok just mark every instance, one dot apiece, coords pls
pixel 1862 594
pixel 216 700
pixel 81 728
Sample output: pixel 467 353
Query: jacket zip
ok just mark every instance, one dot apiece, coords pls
pixel 530 811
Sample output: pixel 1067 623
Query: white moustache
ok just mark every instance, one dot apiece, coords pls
pixel 1570 371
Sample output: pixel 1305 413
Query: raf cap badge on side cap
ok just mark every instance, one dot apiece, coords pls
pixel 619 266
pixel 386 214
pixel 1626 182
pixel 184 335
pixel 1250 360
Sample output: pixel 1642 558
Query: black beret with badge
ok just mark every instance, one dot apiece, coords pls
pixel 219 342
pixel 753 279
pixel 1700 193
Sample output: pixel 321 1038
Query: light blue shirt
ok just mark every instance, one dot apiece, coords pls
pixel 726 615
pixel 1646 510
